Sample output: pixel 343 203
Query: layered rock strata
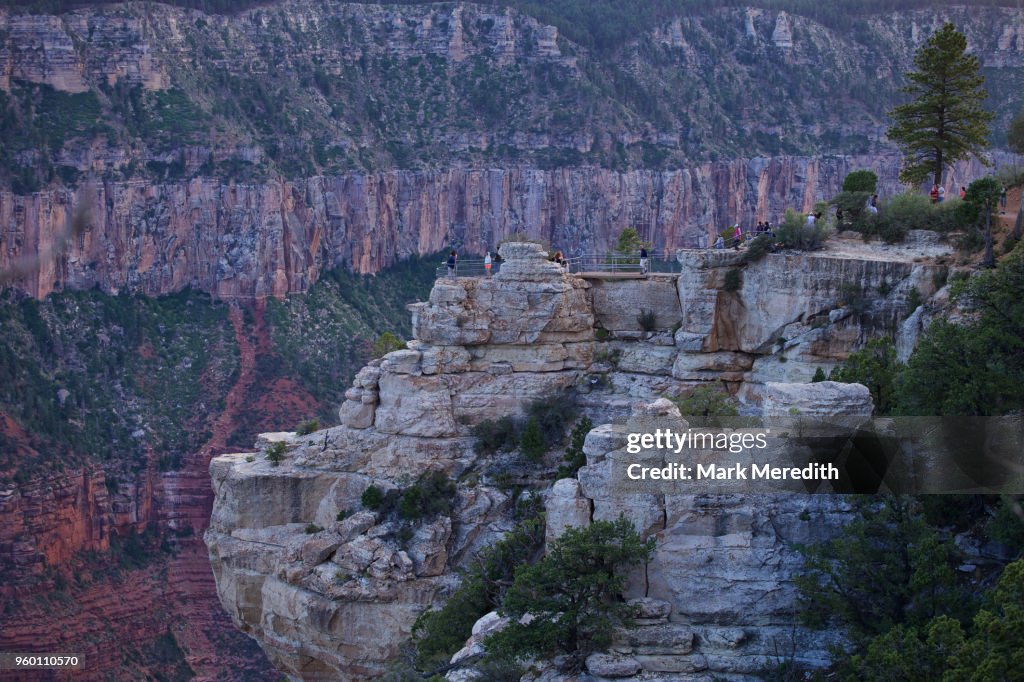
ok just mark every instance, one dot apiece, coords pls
pixel 483 348
pixel 329 592
pixel 275 238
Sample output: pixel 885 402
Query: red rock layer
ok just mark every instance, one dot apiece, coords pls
pixel 62 590
pixel 253 241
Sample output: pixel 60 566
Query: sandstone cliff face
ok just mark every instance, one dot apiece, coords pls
pixel 48 522
pixel 254 241
pixel 340 601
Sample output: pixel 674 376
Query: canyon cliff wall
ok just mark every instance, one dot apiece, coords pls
pixel 243 154
pixel 79 555
pixel 329 588
pixel 302 88
pixel 254 241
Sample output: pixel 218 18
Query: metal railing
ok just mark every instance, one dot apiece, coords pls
pixel 612 263
pixel 469 267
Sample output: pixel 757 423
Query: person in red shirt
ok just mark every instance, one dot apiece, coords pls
pixel 934 194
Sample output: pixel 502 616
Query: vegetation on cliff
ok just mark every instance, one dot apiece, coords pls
pixel 926 618
pixel 973 368
pixel 571 595
pixel 90 377
pixel 391 95
pixel 439 633
pixel 323 337
pixel 85 376
pixel 598 24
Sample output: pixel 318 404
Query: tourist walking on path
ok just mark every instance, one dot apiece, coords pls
pixel 643 260
pixel 487 263
pixel 942 194
pixel 737 236
pixel 934 194
pixel 1002 200
pixel 719 243
pixel 452 260
pixel 963 191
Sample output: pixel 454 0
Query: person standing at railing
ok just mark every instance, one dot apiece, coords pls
pixel 643 260
pixel 452 260
pixel 487 263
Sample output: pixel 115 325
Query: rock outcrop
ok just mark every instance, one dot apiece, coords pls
pixel 330 592
pixel 792 313
pixel 285 558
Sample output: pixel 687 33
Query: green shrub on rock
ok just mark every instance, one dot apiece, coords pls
pixel 275 453
pixel 573 593
pixel 532 443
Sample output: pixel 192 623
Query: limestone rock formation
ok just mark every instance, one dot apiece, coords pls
pixel 338 597
pixel 718 596
pixel 782 36
pixel 330 589
pixel 795 312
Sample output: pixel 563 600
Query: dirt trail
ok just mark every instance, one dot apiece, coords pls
pixel 214 648
pixel 1009 217
pixel 249 347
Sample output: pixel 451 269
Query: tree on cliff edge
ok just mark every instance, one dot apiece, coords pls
pixel 945 121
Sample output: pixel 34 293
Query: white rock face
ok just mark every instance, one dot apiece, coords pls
pixel 782 36
pixel 794 312
pixel 618 303
pixel 339 602
pixel 566 508
pixel 823 399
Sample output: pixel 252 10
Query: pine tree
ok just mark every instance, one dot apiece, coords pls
pixel 979 202
pixel 945 121
pixel 1015 133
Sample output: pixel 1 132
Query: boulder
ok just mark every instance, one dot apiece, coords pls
pixel 565 507
pixel 357 414
pixel 405 361
pixel 319 548
pixel 612 667
pixel 821 399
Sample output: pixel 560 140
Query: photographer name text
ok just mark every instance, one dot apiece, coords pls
pixel 735 472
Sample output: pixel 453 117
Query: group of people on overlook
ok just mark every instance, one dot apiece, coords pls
pixel 938 195
pixel 739 236
pixel 558 258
